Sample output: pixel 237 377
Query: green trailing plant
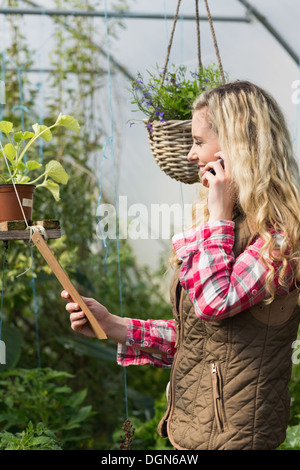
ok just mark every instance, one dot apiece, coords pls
pixel 32 438
pixel 42 396
pixel 18 146
pixel 169 95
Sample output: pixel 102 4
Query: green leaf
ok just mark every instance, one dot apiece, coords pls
pixel 32 165
pixel 22 179
pixel 28 135
pixel 77 398
pixel 293 437
pixel 82 415
pixel 9 402
pixel 55 170
pixel 42 131
pixel 36 128
pixel 20 167
pixel 68 121
pixel 53 188
pixel 6 126
pixel 18 136
pixel 10 152
pixel 40 441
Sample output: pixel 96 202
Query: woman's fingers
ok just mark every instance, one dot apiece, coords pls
pixel 78 320
pixel 65 295
pixel 75 316
pixel 72 307
pixel 217 166
pixel 212 169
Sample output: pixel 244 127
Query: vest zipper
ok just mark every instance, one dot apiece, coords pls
pixel 218 398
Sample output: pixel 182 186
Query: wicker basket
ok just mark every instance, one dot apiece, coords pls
pixel 170 144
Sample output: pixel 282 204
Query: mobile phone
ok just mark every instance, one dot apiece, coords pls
pixel 212 171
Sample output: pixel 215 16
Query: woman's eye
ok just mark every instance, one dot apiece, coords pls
pixel 198 142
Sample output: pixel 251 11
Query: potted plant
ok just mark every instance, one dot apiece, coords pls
pixel 16 183
pixel 166 99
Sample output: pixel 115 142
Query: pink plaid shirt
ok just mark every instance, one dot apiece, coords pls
pixel 218 284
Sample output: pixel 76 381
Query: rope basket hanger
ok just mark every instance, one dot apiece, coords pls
pixel 171 141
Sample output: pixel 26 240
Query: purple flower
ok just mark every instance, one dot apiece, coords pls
pixel 136 84
pixel 149 127
pixel 131 123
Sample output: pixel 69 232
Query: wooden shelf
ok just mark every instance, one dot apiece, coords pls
pixel 16 229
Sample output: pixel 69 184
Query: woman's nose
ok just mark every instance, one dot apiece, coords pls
pixel 192 155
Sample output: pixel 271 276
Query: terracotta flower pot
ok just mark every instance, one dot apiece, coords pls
pixel 9 204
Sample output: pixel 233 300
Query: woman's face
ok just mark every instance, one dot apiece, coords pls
pixel 205 140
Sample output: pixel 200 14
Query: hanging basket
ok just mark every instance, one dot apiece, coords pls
pixel 170 143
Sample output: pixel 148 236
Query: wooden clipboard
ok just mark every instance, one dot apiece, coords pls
pixel 62 277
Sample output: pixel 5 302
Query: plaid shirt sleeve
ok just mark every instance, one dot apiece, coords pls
pixel 155 334
pixel 219 284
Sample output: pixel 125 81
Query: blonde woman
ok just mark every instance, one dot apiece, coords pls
pixel 234 292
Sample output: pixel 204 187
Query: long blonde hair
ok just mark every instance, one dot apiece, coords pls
pixel 254 136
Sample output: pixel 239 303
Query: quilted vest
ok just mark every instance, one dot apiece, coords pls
pixel 229 379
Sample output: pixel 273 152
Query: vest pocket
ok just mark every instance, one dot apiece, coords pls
pixel 217 390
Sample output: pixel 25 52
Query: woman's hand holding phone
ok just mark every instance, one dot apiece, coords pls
pixel 221 196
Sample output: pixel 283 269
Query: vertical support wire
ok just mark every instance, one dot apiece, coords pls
pixel 36 311
pixel 115 191
pixel 3 281
pixel 40 85
pixel 2 77
pixel 19 72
